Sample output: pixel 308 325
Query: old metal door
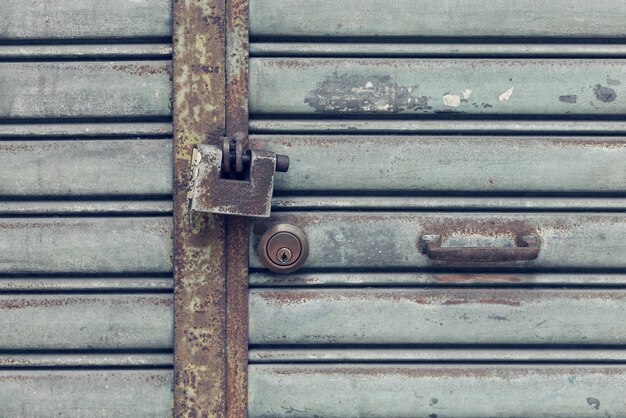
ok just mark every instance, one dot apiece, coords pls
pixel 459 170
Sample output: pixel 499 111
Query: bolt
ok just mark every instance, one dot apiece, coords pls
pixel 284 255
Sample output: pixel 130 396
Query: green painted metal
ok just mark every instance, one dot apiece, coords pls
pixel 86 393
pixel 437 18
pixel 80 168
pixel 358 390
pixel 436 164
pixel 430 86
pixel 86 245
pixel 351 317
pixel 85 19
pixel 86 322
pixel 85 89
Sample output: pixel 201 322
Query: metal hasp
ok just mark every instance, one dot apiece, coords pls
pixel 283 248
pixel 527 249
pixel 231 181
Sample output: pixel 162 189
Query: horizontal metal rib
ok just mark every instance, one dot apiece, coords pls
pixel 83 90
pixel 84 51
pixel 82 284
pixel 443 316
pixel 85 207
pixel 363 390
pixel 75 130
pixel 455 127
pixel 81 393
pixel 325 355
pixel 446 203
pixel 64 360
pixel 433 279
pixel 416 50
pixel 84 19
pixel 486 87
pixel 62 322
pixel 498 19
pixel 86 168
pixel 86 245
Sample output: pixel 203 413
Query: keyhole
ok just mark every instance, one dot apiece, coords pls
pixel 284 255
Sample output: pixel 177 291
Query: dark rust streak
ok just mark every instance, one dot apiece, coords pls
pixel 237 228
pixel 199 271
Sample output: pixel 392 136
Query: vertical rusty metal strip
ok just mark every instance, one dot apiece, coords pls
pixel 199 240
pixel 237 229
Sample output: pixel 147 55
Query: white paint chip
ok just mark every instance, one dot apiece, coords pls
pixel 452 100
pixel 504 97
pixel 369 85
pixel 467 93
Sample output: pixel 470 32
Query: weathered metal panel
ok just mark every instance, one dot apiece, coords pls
pixel 79 168
pixel 86 393
pixel 437 18
pixel 434 390
pixel 85 51
pixel 444 50
pixel 446 126
pixel 26 208
pixel 441 316
pixel 429 86
pixel 86 322
pixel 86 130
pixel 352 203
pixel 85 89
pixel 86 245
pixel 65 360
pixel 373 278
pixel 449 164
pixel 82 284
pixel 85 19
pixel 377 240
pixel 440 355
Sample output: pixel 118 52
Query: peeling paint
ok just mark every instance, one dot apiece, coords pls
pixel 353 93
pixel 568 98
pixel 504 97
pixel 451 100
pixel 467 93
pixel 604 94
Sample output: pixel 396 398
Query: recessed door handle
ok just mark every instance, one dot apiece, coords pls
pixel 527 248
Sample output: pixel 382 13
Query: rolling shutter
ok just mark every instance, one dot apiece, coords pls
pixel 85 218
pixel 480 123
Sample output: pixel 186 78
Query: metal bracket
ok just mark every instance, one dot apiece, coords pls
pixel 238 183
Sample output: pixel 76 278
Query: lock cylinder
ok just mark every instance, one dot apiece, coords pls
pixel 283 248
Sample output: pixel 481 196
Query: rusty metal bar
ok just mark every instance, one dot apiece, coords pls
pixel 237 228
pixel 199 241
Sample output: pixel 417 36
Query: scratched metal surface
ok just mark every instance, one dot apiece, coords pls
pixel 437 164
pixel 428 86
pixel 436 391
pixel 437 19
pixel 67 20
pixel 86 393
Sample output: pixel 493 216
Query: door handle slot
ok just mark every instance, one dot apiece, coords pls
pixel 528 248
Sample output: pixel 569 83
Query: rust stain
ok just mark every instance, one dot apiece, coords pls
pixel 143 69
pixel 199 271
pixel 476 278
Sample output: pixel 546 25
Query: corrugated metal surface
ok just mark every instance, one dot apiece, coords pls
pixel 478 122
pixel 86 229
